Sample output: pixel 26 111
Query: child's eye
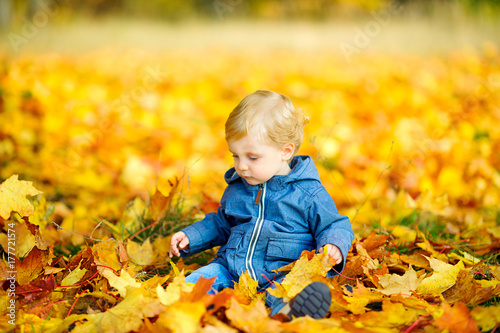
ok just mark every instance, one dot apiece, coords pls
pixel 235 156
pixel 253 158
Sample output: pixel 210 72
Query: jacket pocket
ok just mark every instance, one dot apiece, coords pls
pixel 282 252
pixel 229 250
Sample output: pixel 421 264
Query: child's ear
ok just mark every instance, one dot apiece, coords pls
pixel 287 151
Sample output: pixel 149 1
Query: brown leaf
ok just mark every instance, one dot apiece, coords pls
pixel 469 291
pixel 374 245
pixel 37 289
pixel 32 265
pixel 40 242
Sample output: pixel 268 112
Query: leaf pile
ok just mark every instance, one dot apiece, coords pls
pixel 407 146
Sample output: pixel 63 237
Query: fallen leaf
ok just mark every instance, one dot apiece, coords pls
pixel 456 319
pixel 252 318
pixel 141 254
pixel 122 283
pixel 396 284
pixel 247 286
pixel 126 316
pixel 304 272
pixel 443 277
pixel 13 194
pixel 486 317
pixel 32 266
pixel 173 292
pixel 183 317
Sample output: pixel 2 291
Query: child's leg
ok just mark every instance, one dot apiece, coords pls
pixel 275 303
pixel 223 279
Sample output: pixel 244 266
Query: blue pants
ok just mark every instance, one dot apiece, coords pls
pixel 223 279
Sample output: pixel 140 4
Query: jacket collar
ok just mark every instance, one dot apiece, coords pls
pixel 302 168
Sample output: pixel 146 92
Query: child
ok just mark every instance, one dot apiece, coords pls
pixel 273 208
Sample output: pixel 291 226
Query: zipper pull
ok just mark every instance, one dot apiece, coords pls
pixel 259 194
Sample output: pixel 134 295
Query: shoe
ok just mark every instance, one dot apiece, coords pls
pixel 313 301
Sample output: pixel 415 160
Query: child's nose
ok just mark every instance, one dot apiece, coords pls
pixel 242 166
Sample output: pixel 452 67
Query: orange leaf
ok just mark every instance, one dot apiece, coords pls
pixel 457 319
pixel 32 265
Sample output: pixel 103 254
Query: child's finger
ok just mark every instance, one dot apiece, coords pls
pixel 184 243
pixel 173 246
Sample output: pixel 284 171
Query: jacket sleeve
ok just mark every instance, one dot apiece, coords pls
pixel 328 226
pixel 212 231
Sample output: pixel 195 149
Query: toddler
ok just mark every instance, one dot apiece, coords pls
pixel 273 208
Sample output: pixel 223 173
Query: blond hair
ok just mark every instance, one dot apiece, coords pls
pixel 270 115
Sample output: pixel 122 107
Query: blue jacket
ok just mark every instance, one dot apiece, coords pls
pixel 264 227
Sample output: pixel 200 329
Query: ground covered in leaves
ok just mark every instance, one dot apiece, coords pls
pixel 104 155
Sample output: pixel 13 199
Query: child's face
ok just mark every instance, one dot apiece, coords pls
pixel 256 161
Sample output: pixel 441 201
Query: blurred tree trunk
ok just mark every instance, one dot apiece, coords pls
pixel 5 13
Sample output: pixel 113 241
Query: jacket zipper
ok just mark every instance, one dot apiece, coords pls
pixel 260 200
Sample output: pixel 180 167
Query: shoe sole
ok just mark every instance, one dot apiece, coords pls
pixel 313 301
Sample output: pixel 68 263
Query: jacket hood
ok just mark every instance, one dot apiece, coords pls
pixel 302 168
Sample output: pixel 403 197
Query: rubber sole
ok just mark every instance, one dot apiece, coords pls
pixel 313 301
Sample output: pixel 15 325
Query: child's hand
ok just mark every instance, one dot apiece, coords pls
pixel 333 252
pixel 178 242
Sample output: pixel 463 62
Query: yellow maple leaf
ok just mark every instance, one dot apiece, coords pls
pixel 122 283
pixel 393 315
pixel 486 317
pixel 397 284
pixel 247 286
pixel 126 316
pixel 252 318
pixel 30 322
pixel 360 298
pixel 172 293
pixel 303 272
pixel 141 254
pixel 308 324
pixel 13 194
pixel 74 276
pixel 183 317
pixel 443 277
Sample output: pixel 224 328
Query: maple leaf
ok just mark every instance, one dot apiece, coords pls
pixel 486 317
pixel 30 322
pixel 308 324
pixel 126 316
pixel 183 317
pixel 252 318
pixel 469 291
pixel 38 288
pixel 247 286
pixel 373 245
pixel 396 284
pixel 304 272
pixel 360 298
pixel 106 254
pixel 457 319
pixel 122 283
pixel 393 315
pixel 172 293
pixel 141 254
pixel 13 194
pixel 443 277
pixel 31 267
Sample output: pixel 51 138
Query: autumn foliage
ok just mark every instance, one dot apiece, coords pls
pixel 103 156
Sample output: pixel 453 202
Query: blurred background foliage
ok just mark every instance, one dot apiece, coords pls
pixel 14 12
